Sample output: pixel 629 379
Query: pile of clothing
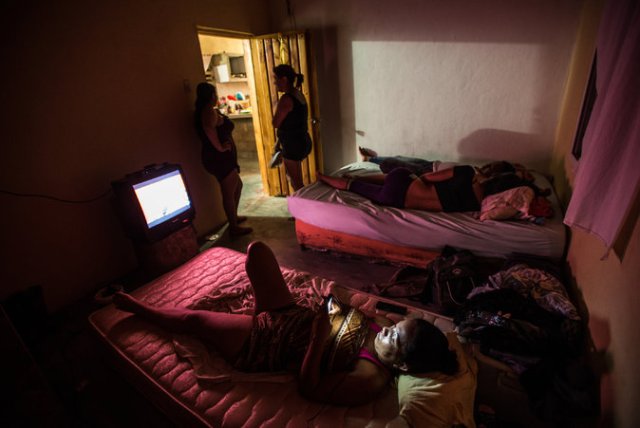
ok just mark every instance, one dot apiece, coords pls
pixel 523 316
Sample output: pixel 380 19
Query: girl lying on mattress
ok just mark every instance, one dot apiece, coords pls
pixel 457 189
pixel 341 357
pixel 421 166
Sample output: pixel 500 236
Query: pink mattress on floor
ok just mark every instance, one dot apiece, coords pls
pixel 194 386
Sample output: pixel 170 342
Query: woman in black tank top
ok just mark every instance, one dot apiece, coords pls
pixel 290 119
pixel 219 155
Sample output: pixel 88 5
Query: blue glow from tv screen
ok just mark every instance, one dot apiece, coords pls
pixel 162 198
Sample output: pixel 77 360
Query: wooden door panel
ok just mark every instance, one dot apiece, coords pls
pixel 268 52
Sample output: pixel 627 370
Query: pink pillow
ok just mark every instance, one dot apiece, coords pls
pixel 512 203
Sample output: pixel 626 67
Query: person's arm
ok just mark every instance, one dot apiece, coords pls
pixel 311 365
pixel 370 178
pixel 442 175
pixel 285 106
pixel 383 321
pixel 210 120
pixel 359 386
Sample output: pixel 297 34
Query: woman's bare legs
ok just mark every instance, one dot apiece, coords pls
pixel 271 291
pixel 294 171
pixel 239 218
pixel 226 332
pixel 231 188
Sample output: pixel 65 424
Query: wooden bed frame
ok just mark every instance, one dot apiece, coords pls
pixel 316 237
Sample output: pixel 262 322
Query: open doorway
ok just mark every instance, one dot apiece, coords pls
pixel 228 66
pixel 223 54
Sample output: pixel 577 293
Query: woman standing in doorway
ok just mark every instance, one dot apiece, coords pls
pixel 219 154
pixel 290 119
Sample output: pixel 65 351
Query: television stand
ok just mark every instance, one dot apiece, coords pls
pixel 156 258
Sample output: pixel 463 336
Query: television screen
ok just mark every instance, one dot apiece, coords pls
pixel 162 198
pixel 154 202
pixel 236 64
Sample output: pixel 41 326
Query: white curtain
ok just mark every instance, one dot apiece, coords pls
pixel 608 174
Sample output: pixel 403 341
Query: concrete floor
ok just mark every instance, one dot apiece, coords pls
pixel 272 224
pixel 254 201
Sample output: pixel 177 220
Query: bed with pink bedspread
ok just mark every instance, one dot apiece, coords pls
pixel 194 386
pixel 332 219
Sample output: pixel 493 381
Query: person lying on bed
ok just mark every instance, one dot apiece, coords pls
pixel 451 190
pixel 421 166
pixel 418 166
pixel 284 336
pixel 456 189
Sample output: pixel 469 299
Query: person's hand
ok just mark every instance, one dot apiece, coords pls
pixel 321 326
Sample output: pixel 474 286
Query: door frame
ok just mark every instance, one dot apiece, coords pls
pixel 274 180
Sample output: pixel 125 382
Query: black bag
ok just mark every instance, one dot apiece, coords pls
pixel 451 277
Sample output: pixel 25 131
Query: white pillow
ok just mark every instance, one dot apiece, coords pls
pixel 436 400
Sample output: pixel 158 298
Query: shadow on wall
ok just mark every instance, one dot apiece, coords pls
pixel 516 147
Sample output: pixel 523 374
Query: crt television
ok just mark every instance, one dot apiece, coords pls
pixel 154 202
pixel 236 66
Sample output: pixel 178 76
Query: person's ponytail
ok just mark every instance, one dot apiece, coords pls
pixel 285 70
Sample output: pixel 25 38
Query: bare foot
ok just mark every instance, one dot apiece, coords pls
pixel 126 303
pixel 239 231
pixel 335 182
pixel 367 153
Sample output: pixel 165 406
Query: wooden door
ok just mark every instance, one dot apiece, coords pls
pixel 266 53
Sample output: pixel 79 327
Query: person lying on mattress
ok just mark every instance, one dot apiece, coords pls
pixel 457 189
pixel 421 166
pixel 341 356
pixel 387 163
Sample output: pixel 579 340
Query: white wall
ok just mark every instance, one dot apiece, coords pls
pixel 456 80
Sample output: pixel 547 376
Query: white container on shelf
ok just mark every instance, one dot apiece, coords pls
pixel 221 73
